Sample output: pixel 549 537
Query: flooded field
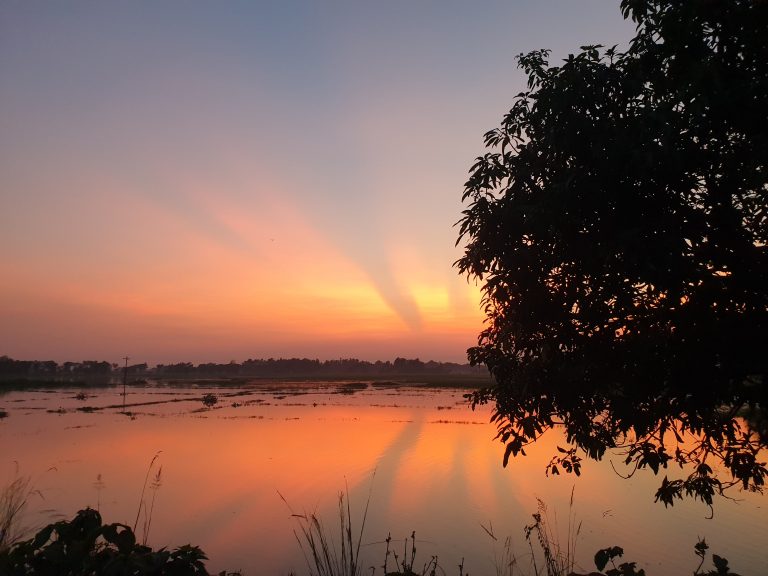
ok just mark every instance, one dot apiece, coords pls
pixel 423 457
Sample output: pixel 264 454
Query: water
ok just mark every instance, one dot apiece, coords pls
pixel 426 461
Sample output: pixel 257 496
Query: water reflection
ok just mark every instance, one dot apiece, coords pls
pixel 436 472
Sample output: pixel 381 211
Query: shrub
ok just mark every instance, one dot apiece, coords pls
pixel 85 546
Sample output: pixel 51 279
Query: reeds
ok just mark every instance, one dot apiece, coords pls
pixel 13 501
pixel 506 562
pixel 550 557
pixel 558 560
pixel 323 555
pixel 154 486
pixel 404 565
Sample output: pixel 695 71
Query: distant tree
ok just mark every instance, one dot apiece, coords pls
pixel 95 367
pixel 407 365
pixel 618 226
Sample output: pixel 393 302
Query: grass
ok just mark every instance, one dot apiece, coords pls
pixel 549 556
pixel 558 560
pixel 323 555
pixel 13 501
pixel 404 565
pixel 506 562
pixel 327 556
pixel 142 508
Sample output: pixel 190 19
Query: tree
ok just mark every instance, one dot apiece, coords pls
pixel 618 225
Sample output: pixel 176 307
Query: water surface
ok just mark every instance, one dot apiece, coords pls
pixel 425 458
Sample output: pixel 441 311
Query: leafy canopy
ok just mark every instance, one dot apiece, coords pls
pixel 618 224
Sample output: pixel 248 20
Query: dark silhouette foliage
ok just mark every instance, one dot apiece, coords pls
pixel 85 546
pixel 618 224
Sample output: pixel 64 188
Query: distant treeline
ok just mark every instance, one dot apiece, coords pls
pixel 100 371
pixel 48 370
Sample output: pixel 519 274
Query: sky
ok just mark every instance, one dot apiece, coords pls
pixel 215 181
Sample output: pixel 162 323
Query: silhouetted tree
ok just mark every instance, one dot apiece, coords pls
pixel 618 225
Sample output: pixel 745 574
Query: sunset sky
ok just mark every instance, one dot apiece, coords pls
pixel 215 181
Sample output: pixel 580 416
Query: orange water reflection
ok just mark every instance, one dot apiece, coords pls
pixel 436 472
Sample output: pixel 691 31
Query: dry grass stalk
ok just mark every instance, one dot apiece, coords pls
pixel 13 501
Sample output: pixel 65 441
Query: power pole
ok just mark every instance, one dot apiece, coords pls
pixel 125 378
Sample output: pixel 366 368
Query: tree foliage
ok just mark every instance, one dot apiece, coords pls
pixel 618 224
pixel 85 546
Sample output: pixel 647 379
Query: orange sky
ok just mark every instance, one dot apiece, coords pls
pixel 266 283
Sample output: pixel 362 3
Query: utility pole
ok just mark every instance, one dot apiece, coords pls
pixel 125 378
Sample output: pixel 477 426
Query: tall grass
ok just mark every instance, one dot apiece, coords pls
pixel 548 555
pixel 13 501
pixel 143 508
pixel 329 556
pixel 506 562
pixel 559 559
pixel 323 554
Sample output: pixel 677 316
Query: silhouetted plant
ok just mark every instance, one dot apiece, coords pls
pixel 319 548
pixel 720 563
pixel 606 555
pixel 13 501
pixel 618 227
pixel 210 400
pixel 404 566
pixel 142 507
pixel 602 557
pixel 99 485
pixel 557 561
pixel 84 546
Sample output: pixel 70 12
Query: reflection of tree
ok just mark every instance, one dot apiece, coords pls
pixel 619 224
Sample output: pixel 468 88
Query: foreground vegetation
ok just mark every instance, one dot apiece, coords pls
pixel 85 546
